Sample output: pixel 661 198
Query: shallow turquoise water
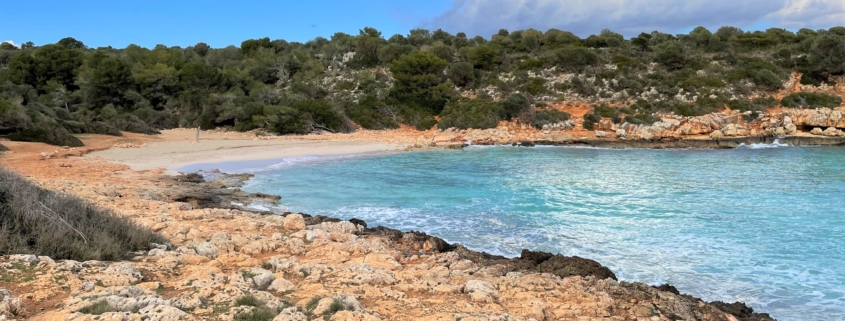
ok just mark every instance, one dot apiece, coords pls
pixel 763 226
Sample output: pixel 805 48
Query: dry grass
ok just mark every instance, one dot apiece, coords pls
pixel 38 221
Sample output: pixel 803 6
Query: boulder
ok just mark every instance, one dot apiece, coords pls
pixel 716 134
pixel 832 132
pixel 262 278
pixel 281 286
pixel 481 291
pixel 162 313
pixel 207 249
pixel 10 306
pixel 817 131
pixel 353 316
pixel 602 134
pixel 621 133
pixel 291 314
pixel 347 302
pixel 294 222
pixel 790 129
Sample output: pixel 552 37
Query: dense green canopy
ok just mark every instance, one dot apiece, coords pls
pixel 52 91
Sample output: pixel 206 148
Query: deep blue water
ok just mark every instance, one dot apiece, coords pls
pixel 763 226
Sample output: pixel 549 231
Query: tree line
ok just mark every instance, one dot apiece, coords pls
pixel 423 79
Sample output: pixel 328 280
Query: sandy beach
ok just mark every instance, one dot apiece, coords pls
pixel 176 149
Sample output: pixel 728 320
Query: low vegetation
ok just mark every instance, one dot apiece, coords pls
pixel 97 308
pixel 42 222
pixel 49 93
pixel 811 100
pixel 3 148
pixel 247 300
pixel 257 314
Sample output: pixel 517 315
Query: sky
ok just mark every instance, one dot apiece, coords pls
pixel 221 23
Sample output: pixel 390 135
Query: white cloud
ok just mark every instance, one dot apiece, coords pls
pixel 630 17
pixel 11 43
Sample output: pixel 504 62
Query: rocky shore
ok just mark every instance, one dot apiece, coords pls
pixel 224 263
pixel 227 261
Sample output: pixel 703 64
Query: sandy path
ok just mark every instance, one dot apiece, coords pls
pixel 176 149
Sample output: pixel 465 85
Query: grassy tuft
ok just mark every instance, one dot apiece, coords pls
pixel 43 222
pixel 247 300
pixel 258 314
pixel 312 304
pixel 336 306
pixel 97 308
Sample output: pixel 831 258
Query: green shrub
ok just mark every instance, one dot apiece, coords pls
pixel 671 54
pixel 462 74
pixel 257 314
pixel 324 114
pixel 590 121
pixel 514 105
pixel 811 100
pixel 247 300
pixel 548 117
pixel 534 86
pixel 766 80
pixel 470 113
pixel 102 128
pixel 576 58
pixel 43 222
pixel 53 135
pixel 97 308
pixel 642 119
pixel 3 148
pixel 767 101
pixel 371 113
pixel 702 82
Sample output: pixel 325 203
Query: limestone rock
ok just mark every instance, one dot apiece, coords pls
pixel 294 222
pixel 339 227
pixel 817 131
pixel 163 313
pixel 87 286
pixel 122 273
pixel 602 134
pixel 23 258
pixel 10 306
pixel 717 134
pixel 291 314
pixel 790 129
pixel 730 130
pixel 621 133
pixel 348 302
pixel 281 285
pixel 207 249
pixel 481 291
pixel 832 132
pixel 262 278
pixel 353 316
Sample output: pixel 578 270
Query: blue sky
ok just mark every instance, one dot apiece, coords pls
pixel 217 23
pixel 221 23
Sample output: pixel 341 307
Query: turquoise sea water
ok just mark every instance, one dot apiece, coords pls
pixel 761 225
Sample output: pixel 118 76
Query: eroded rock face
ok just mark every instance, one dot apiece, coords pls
pixel 822 117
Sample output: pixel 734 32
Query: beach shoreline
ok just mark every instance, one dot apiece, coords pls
pixel 244 240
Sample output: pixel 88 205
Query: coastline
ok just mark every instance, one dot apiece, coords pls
pixel 173 153
pixel 244 240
